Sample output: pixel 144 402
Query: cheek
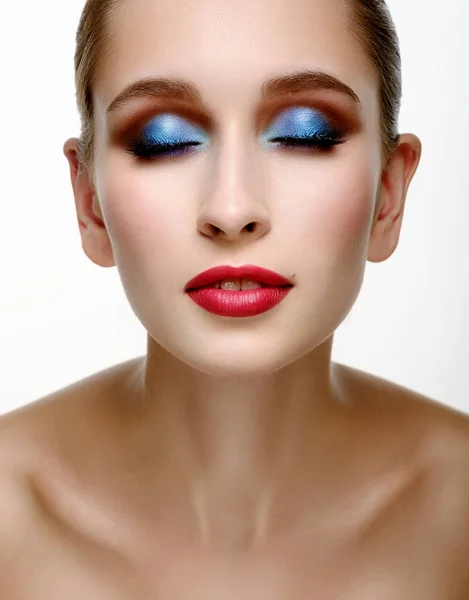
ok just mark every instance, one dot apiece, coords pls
pixel 347 218
pixel 146 210
pixel 333 207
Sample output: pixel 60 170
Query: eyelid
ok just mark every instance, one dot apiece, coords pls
pixel 130 127
pixel 338 118
pixel 341 119
pixel 300 117
pixel 171 126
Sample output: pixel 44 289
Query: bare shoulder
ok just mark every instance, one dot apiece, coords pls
pixel 44 433
pixel 430 441
pixel 439 433
pixel 387 396
pixel 34 430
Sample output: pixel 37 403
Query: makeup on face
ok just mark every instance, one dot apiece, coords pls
pixel 293 115
pixel 168 134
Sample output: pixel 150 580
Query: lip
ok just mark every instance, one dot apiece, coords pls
pixel 241 303
pixel 251 272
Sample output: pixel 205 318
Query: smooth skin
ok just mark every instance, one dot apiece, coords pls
pixel 236 460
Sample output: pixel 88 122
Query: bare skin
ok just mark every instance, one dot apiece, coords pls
pixel 235 460
pixel 382 512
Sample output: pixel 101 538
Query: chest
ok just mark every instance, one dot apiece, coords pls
pixel 398 569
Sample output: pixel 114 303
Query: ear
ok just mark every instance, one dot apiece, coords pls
pixel 95 240
pixel 395 180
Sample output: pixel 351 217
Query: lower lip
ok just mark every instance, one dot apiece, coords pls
pixel 244 303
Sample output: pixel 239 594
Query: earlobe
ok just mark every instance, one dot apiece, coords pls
pixel 95 240
pixel 390 203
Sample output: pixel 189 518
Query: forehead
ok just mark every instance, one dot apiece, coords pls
pixel 229 47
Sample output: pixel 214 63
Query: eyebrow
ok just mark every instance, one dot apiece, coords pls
pixel 180 90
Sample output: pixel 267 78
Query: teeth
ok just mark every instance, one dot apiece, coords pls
pixel 238 284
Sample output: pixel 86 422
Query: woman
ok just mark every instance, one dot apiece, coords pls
pixel 256 141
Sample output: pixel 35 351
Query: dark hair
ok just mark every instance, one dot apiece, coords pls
pixel 370 23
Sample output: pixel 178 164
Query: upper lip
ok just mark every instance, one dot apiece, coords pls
pixel 251 272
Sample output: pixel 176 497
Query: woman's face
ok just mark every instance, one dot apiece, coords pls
pixel 169 218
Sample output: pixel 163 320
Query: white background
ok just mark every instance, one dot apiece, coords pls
pixel 63 318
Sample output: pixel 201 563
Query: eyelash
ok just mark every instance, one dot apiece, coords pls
pixel 318 142
pixel 144 151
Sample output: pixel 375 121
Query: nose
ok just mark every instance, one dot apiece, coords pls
pixel 234 207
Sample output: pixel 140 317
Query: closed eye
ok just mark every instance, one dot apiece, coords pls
pixel 315 142
pixel 315 134
pixel 148 151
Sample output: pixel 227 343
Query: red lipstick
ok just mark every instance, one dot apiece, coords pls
pixel 204 290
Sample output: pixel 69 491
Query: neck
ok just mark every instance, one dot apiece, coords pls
pixel 240 444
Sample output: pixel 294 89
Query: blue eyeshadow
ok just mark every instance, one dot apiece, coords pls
pixel 170 129
pixel 299 127
pixel 302 122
